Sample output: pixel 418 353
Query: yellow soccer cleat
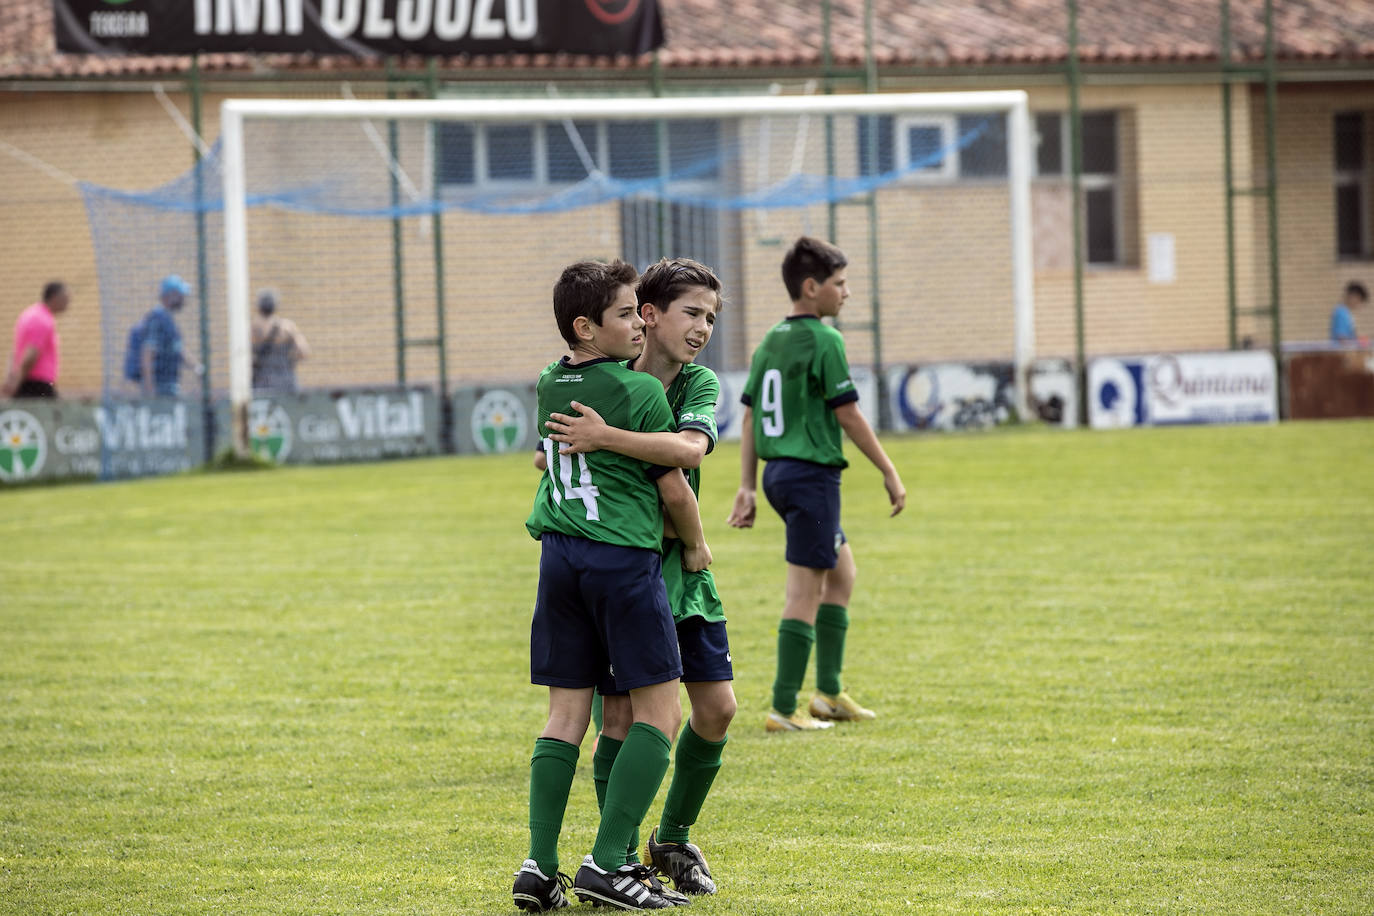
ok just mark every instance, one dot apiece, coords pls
pixel 839 708
pixel 797 721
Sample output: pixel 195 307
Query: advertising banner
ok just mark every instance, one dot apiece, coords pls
pixel 51 440
pixel 358 28
pixel 350 425
pixel 950 396
pixel 957 396
pixel 1187 388
pixel 495 419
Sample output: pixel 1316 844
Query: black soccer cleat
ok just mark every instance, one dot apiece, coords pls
pixel 535 893
pixel 684 863
pixel 676 898
pixel 626 888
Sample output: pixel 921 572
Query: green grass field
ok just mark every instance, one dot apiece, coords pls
pixel 1116 673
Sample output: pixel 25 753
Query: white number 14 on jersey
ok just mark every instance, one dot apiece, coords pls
pixel 585 491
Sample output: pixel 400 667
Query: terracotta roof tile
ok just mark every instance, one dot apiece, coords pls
pixel 787 33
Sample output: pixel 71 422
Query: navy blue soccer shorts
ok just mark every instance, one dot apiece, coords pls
pixel 807 496
pixel 705 653
pixel 601 617
pixel 705 650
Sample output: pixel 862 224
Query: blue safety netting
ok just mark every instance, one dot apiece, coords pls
pixel 378 171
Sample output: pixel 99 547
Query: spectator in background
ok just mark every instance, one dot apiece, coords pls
pixel 33 369
pixel 163 354
pixel 1342 319
pixel 277 346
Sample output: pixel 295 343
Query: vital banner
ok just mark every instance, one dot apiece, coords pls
pixel 52 440
pixel 1185 388
pixel 352 425
pixel 358 28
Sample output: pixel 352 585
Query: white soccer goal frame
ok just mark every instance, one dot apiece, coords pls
pixel 233 113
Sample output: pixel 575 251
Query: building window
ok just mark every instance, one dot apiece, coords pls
pixel 527 155
pixel 1050 143
pixel 457 144
pixel 633 149
pixel 472 155
pixel 572 154
pixel 1104 200
pixel 1352 170
pixel 985 155
pixel 510 152
pixel 933 147
pixel 923 144
pixel 876 144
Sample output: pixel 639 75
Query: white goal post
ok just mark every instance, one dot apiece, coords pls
pixel 234 113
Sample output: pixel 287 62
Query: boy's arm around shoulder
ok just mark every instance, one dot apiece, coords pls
pixel 680 503
pixel 861 434
pixel 588 431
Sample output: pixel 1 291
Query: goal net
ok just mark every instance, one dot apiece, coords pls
pixel 416 242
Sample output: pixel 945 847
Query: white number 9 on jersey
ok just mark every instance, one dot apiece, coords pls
pixel 771 402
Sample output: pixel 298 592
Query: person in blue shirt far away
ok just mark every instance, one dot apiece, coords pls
pixel 1342 319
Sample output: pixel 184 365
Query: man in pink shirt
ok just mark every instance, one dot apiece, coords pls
pixel 33 370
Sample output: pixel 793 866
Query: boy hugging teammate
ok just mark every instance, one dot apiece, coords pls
pixel 678 300
pixel 601 616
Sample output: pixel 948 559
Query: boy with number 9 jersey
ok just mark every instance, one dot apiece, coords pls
pixel 798 397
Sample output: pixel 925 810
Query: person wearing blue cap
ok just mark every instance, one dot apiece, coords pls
pixel 163 354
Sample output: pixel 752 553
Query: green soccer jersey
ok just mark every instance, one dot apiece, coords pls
pixel 601 496
pixel 798 376
pixel 692 397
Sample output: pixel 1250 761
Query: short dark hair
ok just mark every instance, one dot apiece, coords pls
pixel 809 258
pixel 1357 288
pixel 52 288
pixel 585 290
pixel 671 277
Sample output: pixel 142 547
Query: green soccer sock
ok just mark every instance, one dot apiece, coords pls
pixel 633 783
pixel 794 650
pixel 551 775
pixel 694 769
pixel 602 762
pixel 832 621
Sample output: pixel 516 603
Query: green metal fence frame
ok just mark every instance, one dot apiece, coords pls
pixel 429 85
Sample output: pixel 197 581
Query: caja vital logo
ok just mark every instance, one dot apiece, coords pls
pixel 23 447
pixel 269 430
pixel 498 422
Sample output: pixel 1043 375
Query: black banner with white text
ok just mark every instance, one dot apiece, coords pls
pixel 362 28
